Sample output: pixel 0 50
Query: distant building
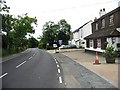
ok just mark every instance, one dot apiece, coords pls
pixel 80 33
pixel 105 31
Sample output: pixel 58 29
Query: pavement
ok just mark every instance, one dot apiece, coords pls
pixel 108 72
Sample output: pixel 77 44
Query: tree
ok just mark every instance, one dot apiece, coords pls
pixel 53 32
pixel 7 25
pixel 3 6
pixel 22 27
pixel 50 32
pixel 64 32
pixel 42 42
pixel 4 41
pixel 16 29
pixel 33 42
pixel 7 21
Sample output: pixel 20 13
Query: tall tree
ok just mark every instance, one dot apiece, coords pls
pixel 7 21
pixel 50 30
pixel 33 42
pixel 53 32
pixel 3 6
pixel 64 32
pixel 23 26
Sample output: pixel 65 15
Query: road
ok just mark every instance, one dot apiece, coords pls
pixel 35 69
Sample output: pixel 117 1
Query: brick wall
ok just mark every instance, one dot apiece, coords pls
pixel 116 21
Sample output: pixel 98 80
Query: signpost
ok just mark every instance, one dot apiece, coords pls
pixel 60 42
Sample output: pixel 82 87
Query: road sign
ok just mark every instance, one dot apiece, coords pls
pixel 60 42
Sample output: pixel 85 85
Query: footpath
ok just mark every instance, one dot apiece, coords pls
pixel 108 72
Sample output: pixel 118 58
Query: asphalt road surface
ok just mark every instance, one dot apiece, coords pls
pixel 35 69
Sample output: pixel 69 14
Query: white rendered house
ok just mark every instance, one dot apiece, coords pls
pixel 80 33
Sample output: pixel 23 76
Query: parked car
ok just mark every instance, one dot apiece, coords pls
pixel 67 46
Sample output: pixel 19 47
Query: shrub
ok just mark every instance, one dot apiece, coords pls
pixel 110 52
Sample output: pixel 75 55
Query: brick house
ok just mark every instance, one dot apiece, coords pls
pixel 105 31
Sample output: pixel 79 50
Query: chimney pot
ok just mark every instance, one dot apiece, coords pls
pixel 103 9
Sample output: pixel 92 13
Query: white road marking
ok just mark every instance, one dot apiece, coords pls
pixel 56 62
pixel 33 54
pixel 60 79
pixel 58 70
pixel 58 66
pixel 20 64
pixel 3 75
pixel 30 58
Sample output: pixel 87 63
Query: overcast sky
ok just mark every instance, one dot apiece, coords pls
pixel 75 12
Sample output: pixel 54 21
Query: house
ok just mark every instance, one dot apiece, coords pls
pixel 80 33
pixel 105 32
pixel 118 3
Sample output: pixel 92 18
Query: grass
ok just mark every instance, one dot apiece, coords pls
pixel 7 52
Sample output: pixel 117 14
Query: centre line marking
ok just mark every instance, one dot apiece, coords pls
pixel 58 66
pixel 20 64
pixel 56 62
pixel 58 70
pixel 55 59
pixel 33 54
pixel 3 75
pixel 60 79
pixel 30 58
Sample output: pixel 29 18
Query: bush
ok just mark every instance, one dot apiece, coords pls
pixel 6 52
pixel 110 52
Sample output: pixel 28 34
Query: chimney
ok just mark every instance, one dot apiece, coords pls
pixel 119 4
pixel 102 12
pixel 95 19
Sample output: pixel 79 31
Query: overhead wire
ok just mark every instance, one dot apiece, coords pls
pixel 81 6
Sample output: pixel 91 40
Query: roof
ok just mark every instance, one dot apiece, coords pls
pixel 77 30
pixel 108 14
pixel 104 33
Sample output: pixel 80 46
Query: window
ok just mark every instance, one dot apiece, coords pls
pixel 96 26
pixel 113 40
pixel 81 33
pixel 103 23
pixel 111 20
pixel 98 43
pixel 91 43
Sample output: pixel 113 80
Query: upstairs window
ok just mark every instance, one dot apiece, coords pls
pixel 103 23
pixel 96 26
pixel 111 20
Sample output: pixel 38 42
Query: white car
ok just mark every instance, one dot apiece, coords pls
pixel 62 46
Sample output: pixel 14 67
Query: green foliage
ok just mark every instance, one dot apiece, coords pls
pixel 42 43
pixel 33 42
pixel 4 7
pixel 16 29
pixel 53 32
pixel 4 41
pixel 110 52
pixel 7 23
pixel 64 32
